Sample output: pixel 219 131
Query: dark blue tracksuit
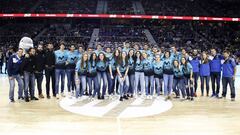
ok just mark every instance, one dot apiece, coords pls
pixel 215 69
pixel 195 62
pixel 205 75
pixel 228 73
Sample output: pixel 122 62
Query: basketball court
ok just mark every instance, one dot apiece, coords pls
pixel 156 28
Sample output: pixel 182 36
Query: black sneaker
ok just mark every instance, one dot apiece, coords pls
pixel 213 95
pixel 20 98
pixel 48 97
pixel 188 98
pixel 99 97
pixel 121 99
pixel 26 99
pixel 232 99
pixel 34 98
pixel 12 100
pixel 191 99
pixel 102 97
pixel 125 97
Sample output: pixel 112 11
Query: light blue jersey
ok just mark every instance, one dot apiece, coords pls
pixel 60 59
pixel 61 56
pixel 102 66
pixel 81 70
pixel 187 69
pixel 123 66
pixel 178 72
pixel 72 57
pixel 158 68
pixel 168 65
pixel 147 67
pixel 138 65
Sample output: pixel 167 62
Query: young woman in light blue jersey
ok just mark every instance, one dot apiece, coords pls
pixel 188 78
pixel 112 72
pixel 178 79
pixel 92 76
pixel 102 74
pixel 131 72
pixel 122 70
pixel 81 75
pixel 139 75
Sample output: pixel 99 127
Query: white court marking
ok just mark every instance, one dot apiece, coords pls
pixel 135 109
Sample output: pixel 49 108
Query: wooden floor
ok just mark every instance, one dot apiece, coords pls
pixel 204 116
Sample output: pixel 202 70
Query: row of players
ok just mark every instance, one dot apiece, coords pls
pixel 129 69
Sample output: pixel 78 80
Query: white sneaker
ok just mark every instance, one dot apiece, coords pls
pixel 63 95
pixel 150 97
pixel 158 97
pixel 91 98
pixel 57 96
pixel 79 98
pixel 69 94
pixel 135 96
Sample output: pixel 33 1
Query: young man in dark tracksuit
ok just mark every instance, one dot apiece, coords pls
pixel 28 69
pixel 215 68
pixel 40 65
pixel 13 67
pixel 7 56
pixel 50 70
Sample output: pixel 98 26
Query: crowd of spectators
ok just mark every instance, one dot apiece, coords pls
pixel 116 35
pixel 226 8
pixel 66 6
pixel 120 7
pixel 17 6
pixel 198 34
pixel 192 7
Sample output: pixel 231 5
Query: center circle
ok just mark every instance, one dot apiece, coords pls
pixel 132 108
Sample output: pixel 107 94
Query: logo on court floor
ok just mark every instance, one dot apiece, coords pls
pixel 114 108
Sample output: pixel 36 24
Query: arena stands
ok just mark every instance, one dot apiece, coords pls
pixel 66 6
pixel 191 33
pixel 114 7
pixel 191 7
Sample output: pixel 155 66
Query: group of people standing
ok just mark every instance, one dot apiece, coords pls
pixel 126 72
